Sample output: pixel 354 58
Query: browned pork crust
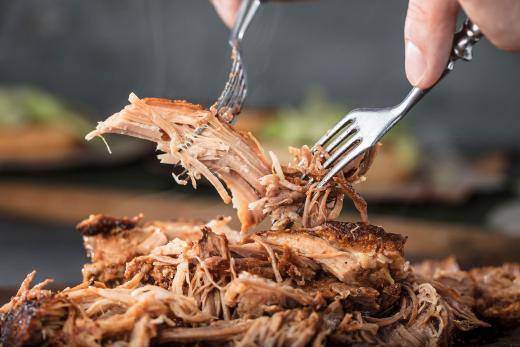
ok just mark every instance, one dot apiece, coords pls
pixel 361 237
pixel 215 288
pixel 31 313
pixel 101 224
pixel 19 323
pixel 354 253
pixel 306 282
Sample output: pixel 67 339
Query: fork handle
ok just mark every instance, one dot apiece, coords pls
pixel 245 15
pixel 464 40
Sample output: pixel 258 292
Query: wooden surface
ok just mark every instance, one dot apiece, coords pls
pixel 68 204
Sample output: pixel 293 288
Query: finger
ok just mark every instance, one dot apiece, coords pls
pixel 428 36
pixel 227 10
pixel 499 20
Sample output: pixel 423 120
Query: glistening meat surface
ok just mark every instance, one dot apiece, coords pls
pixel 308 281
pixel 355 253
pixel 208 284
pixel 235 161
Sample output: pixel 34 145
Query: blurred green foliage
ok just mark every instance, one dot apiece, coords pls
pixel 25 105
pixel 297 126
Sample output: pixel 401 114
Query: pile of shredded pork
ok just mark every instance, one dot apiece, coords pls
pixel 193 284
pixel 309 281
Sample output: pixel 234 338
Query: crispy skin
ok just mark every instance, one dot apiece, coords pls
pixel 101 224
pixel 23 319
pixel 340 283
pixel 19 325
pixel 356 253
pixel 361 237
pixel 112 243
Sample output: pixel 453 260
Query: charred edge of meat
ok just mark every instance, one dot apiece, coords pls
pixel 360 236
pixel 355 253
pixel 21 325
pixel 101 224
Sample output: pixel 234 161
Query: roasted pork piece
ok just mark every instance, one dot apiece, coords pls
pixel 309 281
pixel 339 283
pixel 233 159
pixel 492 291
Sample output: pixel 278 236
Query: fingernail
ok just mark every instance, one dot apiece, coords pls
pixel 415 65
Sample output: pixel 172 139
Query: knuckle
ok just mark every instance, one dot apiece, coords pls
pixel 418 17
pixel 417 11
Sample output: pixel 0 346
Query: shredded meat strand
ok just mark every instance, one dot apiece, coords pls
pixel 213 285
pixel 308 281
pixel 235 161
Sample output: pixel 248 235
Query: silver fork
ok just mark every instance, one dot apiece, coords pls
pixel 234 93
pixel 232 97
pixel 363 128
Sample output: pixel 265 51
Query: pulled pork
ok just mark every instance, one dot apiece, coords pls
pixel 192 283
pixel 233 159
pixel 492 291
pixel 309 281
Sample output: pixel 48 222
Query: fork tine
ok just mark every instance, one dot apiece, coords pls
pixel 235 83
pixel 229 84
pixel 349 118
pixel 242 88
pixel 239 79
pixel 237 99
pixel 351 144
pixel 341 164
pixel 351 130
pixel 235 62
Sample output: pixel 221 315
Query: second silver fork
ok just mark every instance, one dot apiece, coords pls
pixel 229 103
pixel 363 128
pixel 232 97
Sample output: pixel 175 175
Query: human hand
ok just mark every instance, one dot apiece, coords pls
pixel 430 25
pixel 227 10
pixel 429 29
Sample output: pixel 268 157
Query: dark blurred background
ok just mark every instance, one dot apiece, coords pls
pixel 452 167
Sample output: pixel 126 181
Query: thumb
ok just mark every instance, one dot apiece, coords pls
pixel 227 10
pixel 428 36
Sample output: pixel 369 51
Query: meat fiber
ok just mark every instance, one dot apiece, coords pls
pixel 498 293
pixel 354 253
pixel 308 281
pixel 215 286
pixel 234 160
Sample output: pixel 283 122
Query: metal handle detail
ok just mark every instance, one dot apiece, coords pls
pixel 245 15
pixel 464 39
